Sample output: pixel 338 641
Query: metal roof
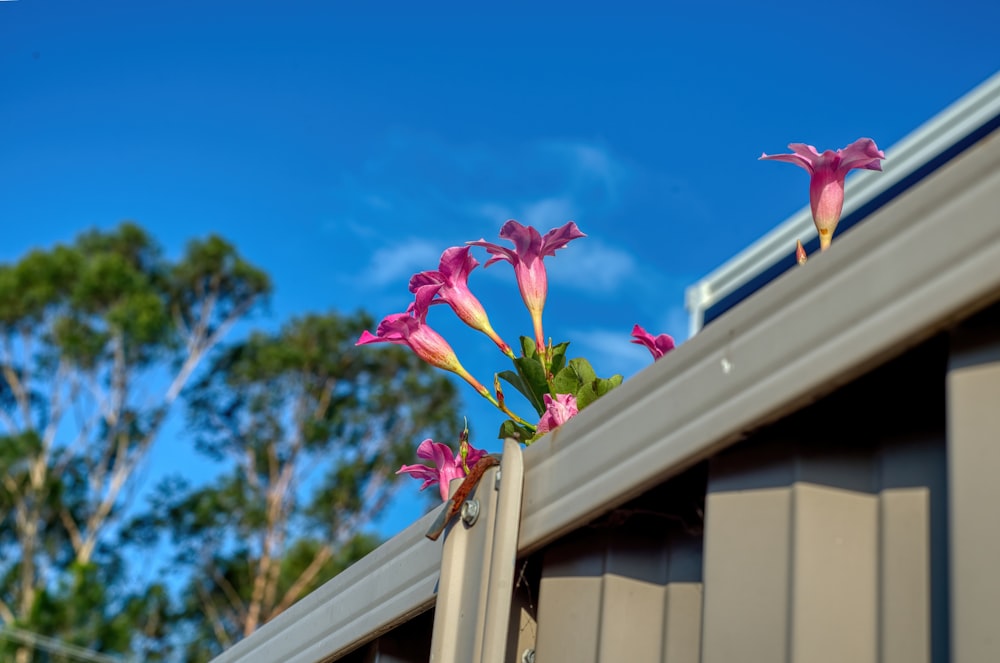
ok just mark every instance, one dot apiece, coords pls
pixel 908 162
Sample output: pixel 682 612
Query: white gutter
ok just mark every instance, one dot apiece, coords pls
pixel 937 135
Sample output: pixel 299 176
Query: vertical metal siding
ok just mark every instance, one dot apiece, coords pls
pixel 974 478
pixel 622 593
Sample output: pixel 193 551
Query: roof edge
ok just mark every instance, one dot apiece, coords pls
pixel 948 128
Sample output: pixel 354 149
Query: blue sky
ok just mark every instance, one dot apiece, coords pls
pixel 342 146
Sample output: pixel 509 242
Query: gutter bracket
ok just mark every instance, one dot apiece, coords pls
pixel 476 585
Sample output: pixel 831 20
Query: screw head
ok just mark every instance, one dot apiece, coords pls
pixel 470 512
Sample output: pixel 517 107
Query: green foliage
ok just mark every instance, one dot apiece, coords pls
pixel 306 427
pixel 309 429
pixel 213 268
pixel 87 609
pixel 515 431
pixel 88 332
pixel 578 378
pixel 537 375
pixel 34 284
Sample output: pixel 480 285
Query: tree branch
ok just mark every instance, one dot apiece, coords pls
pixel 16 386
pixel 120 472
pixel 210 611
pixel 6 614
pixel 231 595
pixel 71 528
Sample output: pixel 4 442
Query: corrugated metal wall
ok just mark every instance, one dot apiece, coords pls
pixel 821 538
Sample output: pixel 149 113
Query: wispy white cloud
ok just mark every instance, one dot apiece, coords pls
pixel 377 202
pixel 587 264
pixel 609 351
pixel 547 212
pixel 491 212
pixel 592 265
pixel 612 350
pixel 396 263
pixel 419 185
pixel 590 163
pixel 674 321
pixel 542 213
pixel 572 175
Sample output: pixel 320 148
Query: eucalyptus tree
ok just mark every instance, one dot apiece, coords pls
pixel 98 338
pixel 309 430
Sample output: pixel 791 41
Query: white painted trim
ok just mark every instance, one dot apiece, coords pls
pixel 959 120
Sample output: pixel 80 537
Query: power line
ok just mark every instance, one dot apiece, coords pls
pixel 55 646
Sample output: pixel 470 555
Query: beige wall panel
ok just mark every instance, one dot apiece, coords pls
pixel 569 605
pixel 904 578
pixel 632 617
pixel 791 575
pixel 747 541
pixel 606 596
pixel 974 510
pixel 633 601
pixel 569 620
pixel 682 629
pixel 833 575
pixel 523 629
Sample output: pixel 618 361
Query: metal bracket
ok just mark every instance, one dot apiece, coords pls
pixel 476 585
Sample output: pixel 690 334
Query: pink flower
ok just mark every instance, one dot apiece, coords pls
pixel 411 330
pixel 445 465
pixel 800 253
pixel 526 257
pixel 657 345
pixel 450 284
pixel 827 171
pixel 558 411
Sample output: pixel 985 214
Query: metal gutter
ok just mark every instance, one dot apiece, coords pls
pixel 923 261
pixel 907 162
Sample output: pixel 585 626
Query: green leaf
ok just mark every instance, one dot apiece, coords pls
pixel 515 381
pixel 583 369
pixel 573 377
pixel 585 396
pixel 512 429
pixel 558 358
pixel 528 348
pixel 566 381
pixel 604 385
pixel 593 390
pixel 533 377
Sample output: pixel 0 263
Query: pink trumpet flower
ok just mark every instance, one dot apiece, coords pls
pixel 445 465
pixel 450 284
pixel 410 329
pixel 558 411
pixel 529 249
pixel 827 172
pixel 657 345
